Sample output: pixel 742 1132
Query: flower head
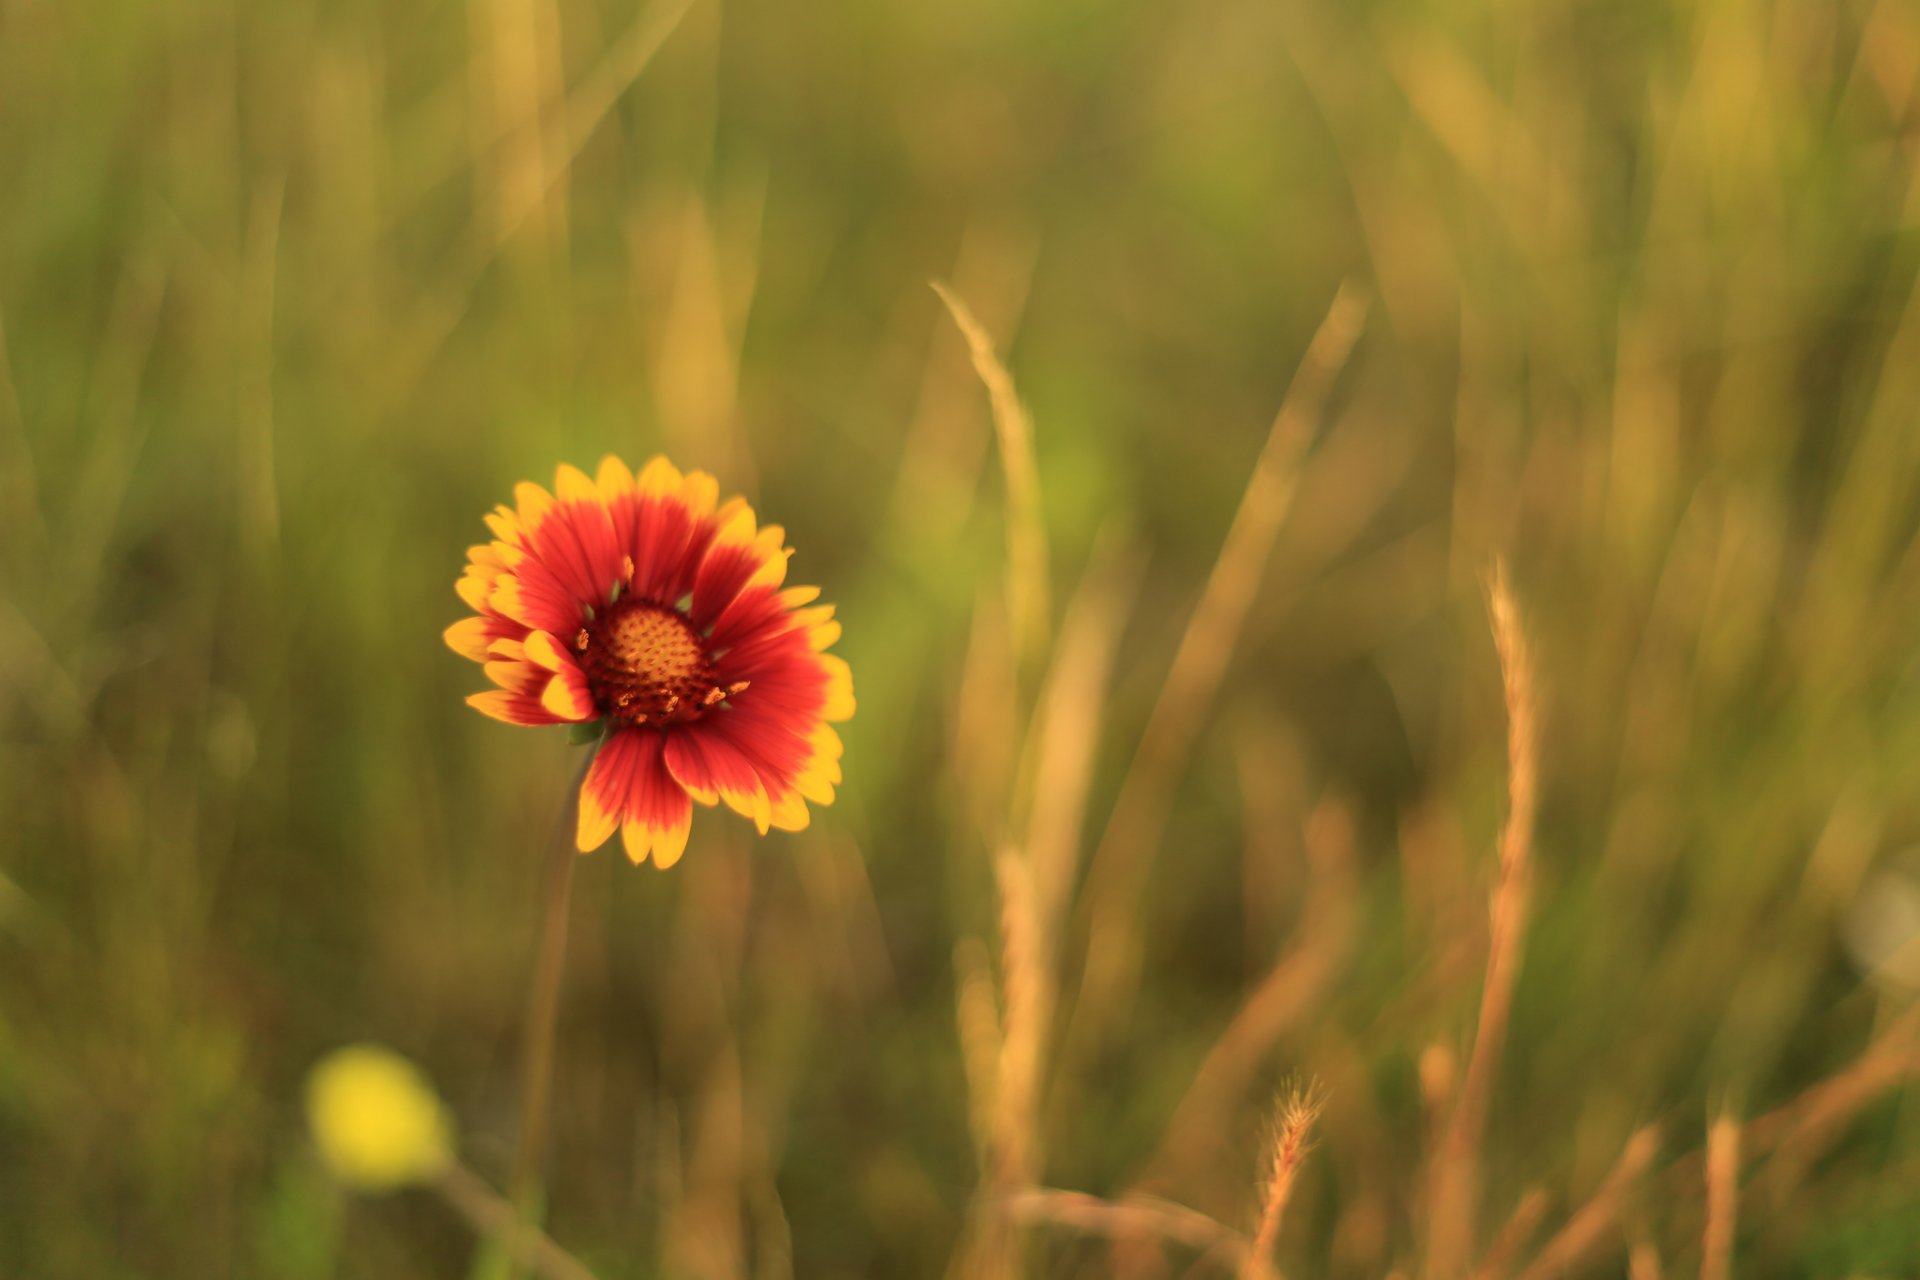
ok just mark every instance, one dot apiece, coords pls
pixel 647 606
pixel 376 1120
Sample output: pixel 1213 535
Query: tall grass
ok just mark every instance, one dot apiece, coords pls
pixel 1201 790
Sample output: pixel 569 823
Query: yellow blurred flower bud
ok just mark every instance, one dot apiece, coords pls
pixel 376 1120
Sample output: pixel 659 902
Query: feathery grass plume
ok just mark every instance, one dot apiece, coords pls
pixel 1525 1220
pixel 1584 1231
pixel 1291 988
pixel 1292 1138
pixel 1723 1191
pixel 1139 813
pixel 1028 594
pixel 1455 1175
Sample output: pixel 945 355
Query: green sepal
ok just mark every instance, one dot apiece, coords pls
pixel 581 734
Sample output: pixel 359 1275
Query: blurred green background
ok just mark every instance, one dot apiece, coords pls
pixel 292 293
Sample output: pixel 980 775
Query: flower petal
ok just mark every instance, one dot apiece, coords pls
pixel 839 688
pixel 474 637
pixel 739 560
pixel 657 814
pixel 709 765
pixel 568 697
pixel 821 774
pixel 474 590
pixel 514 708
pixel 574 541
pixel 663 526
pixel 628 788
pixel 533 503
pixel 790 813
pixel 614 479
pixel 544 650
pixel 603 794
pixel 658 476
pixel 505 523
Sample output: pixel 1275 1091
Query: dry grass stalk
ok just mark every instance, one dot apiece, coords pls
pixel 1292 1138
pixel 696 355
pixel 1526 1219
pixel 1439 1077
pixel 519 166
pixel 1027 589
pixel 943 451
pixel 1643 1263
pixel 1288 991
pixel 1135 1216
pixel 1799 1133
pixel 1723 1189
pixel 1067 732
pixel 978 1015
pixel 1584 1231
pixel 1028 1004
pixel 541 158
pixel 1455 1172
pixel 985 720
pixel 1199 664
pixel 515 76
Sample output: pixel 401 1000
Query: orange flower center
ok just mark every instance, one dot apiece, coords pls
pixel 645 665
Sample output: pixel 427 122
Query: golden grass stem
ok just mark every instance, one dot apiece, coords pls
pixel 1723 1190
pixel 977 1014
pixel 1028 592
pixel 1454 1187
pixel 1139 814
pixel 1133 1216
pixel 943 451
pixel 543 1019
pixel 1513 1237
pixel 1065 737
pixel 1585 1229
pixel 490 1215
pixel 571 122
pixel 1796 1134
pixel 1292 1137
pixel 1028 1012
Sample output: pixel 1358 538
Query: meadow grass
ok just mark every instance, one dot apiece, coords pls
pixel 1191 760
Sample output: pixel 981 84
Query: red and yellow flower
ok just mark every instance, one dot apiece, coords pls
pixel 647 605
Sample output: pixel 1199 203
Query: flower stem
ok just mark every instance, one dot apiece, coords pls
pixel 543 1017
pixel 470 1197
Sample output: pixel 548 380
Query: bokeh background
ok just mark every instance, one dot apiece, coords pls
pixel 292 293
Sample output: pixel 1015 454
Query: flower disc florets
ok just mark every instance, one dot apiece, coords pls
pixel 645 664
